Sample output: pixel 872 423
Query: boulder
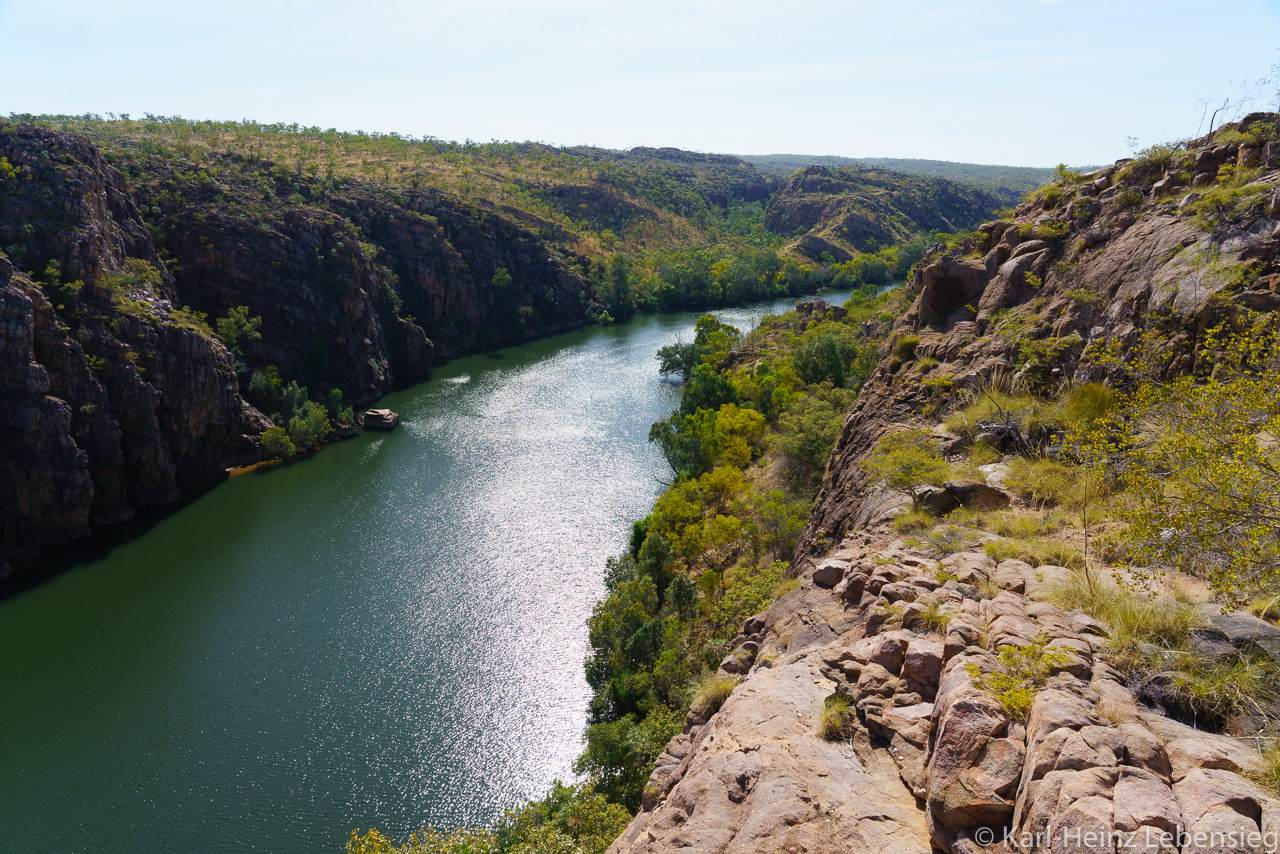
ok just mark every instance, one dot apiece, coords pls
pixel 923 661
pixel 829 573
pixel 1245 631
pixel 380 419
pixel 1249 157
pixel 969 493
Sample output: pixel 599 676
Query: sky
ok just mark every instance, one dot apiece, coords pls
pixel 1019 82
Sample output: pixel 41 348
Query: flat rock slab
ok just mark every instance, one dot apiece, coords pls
pixel 762 779
pixel 1244 630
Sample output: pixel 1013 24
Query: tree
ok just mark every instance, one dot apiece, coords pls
pixel 826 357
pixel 905 460
pixel 293 397
pixel 809 429
pixel 277 444
pixel 679 357
pixel 501 278
pixel 706 389
pixel 238 327
pixel 310 426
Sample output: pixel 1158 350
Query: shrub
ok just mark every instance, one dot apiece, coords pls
pixel 1037 551
pixel 992 403
pixel 277 444
pixel 1025 669
pixel 310 426
pixel 237 328
pixel 427 841
pixel 903 460
pixel 575 819
pixel 1044 481
pixel 827 357
pixel 912 520
pixel 809 430
pixel 948 540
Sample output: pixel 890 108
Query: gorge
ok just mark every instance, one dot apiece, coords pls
pixel 390 634
pixel 893 592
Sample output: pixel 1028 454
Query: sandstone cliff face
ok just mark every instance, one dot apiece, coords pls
pixel 112 398
pixel 1117 253
pixel 931 760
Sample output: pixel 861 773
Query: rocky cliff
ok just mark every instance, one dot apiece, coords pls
pixel 115 395
pixel 1161 242
pixel 928 759
pixel 899 645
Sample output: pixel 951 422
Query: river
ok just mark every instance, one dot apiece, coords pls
pixel 390 633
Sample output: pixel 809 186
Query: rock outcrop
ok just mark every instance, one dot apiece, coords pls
pixel 115 395
pixel 933 760
pixel 1101 259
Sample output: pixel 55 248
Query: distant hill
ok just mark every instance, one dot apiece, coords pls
pixel 1015 180
pixel 839 213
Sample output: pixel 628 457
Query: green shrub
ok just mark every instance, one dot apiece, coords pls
pixel 310 426
pixel 1044 481
pixel 238 327
pixel 905 459
pixel 947 540
pixel 1037 551
pixel 1025 669
pixel 912 520
pixel 427 841
pixel 277 444
pixel 931 618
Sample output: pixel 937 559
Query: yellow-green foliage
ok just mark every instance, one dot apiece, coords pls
pixel 1198 458
pixel 1045 481
pixel 905 459
pixel 911 520
pixel 838 718
pixel 1086 402
pixel 905 347
pixel 931 619
pixel 749 591
pixel 711 693
pixel 1268 774
pixel 1036 551
pixel 990 404
pixel 429 841
pixel 1135 620
pixel 1231 195
pixel 1024 671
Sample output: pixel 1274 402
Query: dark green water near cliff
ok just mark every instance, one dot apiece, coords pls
pixel 389 634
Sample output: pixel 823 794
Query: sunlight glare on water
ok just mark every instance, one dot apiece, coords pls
pixel 389 634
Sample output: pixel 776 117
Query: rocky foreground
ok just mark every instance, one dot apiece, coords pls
pixel 934 761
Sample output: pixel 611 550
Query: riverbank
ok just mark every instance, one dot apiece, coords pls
pixel 348 638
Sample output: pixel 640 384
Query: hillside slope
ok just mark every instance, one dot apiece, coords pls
pixel 958 693
pixel 1012 182
pixel 171 287
pixel 836 214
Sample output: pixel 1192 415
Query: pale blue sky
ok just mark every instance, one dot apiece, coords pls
pixel 1024 82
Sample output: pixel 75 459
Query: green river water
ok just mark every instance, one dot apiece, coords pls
pixel 388 634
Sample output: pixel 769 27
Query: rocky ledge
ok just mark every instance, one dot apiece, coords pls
pixel 930 759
